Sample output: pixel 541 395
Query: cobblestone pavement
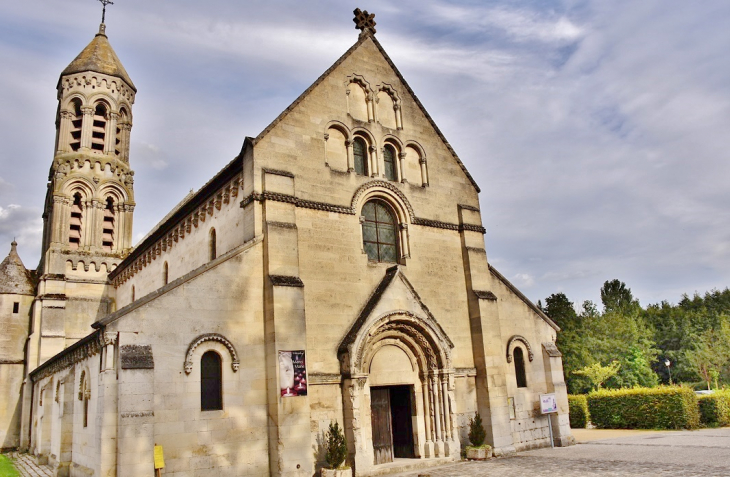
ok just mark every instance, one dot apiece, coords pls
pixel 678 454
pixel 27 466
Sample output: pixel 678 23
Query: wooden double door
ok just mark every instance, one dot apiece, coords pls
pixel 392 422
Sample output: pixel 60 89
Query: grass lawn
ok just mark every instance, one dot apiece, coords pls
pixel 6 467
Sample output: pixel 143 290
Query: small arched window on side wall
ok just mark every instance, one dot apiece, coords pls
pixel 133 293
pixel 164 273
pixel 520 374
pixel 84 396
pixel 211 382
pixel 360 156
pixel 212 252
pixel 389 156
pixel 379 232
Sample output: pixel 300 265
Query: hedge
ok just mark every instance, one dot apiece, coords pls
pixel 664 407
pixel 579 416
pixel 715 409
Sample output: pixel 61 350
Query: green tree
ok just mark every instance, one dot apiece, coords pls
pixel 598 374
pixel 617 297
pixel 710 355
pixel 560 310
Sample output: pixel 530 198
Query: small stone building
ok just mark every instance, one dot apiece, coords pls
pixel 334 270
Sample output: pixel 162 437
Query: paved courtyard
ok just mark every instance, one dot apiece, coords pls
pixel 672 453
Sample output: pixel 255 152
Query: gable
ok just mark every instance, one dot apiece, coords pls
pixel 366 70
pixel 394 294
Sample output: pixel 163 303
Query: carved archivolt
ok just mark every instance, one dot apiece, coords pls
pixel 427 343
pixel 522 339
pixel 235 363
pixel 385 188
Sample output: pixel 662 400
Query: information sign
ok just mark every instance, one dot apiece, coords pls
pixel 548 403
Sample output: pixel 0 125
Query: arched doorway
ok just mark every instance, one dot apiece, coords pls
pixel 398 389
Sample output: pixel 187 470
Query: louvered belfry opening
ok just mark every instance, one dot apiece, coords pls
pixel 98 129
pixel 107 240
pixel 119 132
pixel 74 233
pixel 78 118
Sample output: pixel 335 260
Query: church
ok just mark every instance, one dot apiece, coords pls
pixel 334 271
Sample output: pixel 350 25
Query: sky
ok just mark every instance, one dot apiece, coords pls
pixel 598 130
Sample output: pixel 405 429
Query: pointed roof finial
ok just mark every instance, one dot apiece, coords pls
pixel 103 10
pixel 364 21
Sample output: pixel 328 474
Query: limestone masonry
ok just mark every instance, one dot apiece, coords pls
pixel 335 270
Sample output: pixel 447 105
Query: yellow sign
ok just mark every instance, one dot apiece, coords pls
pixel 159 458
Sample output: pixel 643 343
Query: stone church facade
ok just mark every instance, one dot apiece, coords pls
pixel 335 270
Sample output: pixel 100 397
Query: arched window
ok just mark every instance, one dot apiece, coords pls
pixel 107 238
pixel 98 128
pixel 360 154
pixel 389 162
pixel 212 245
pixel 211 382
pixel 78 117
pixel 164 273
pixel 132 292
pixel 84 396
pixel 379 234
pixel 119 132
pixel 74 233
pixel 520 368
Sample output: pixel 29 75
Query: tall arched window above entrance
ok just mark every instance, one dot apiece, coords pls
pixel 379 233
pixel 211 382
pixel 520 368
pixel 360 155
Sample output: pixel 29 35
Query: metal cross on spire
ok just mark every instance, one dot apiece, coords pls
pixel 363 20
pixel 103 10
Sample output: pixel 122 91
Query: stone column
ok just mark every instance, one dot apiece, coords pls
pixel 64 132
pixel 374 170
pixel 438 417
pixel 371 106
pixel 86 125
pixel 401 167
pixel 428 446
pixel 424 172
pixel 398 116
pixel 350 156
pixel 110 137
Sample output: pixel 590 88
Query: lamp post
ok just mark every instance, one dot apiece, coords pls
pixel 668 363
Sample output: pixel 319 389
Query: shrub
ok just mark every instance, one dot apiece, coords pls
pixel 335 447
pixel 666 407
pixel 477 434
pixel 715 409
pixel 579 416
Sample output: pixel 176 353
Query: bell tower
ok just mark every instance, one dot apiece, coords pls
pixel 87 218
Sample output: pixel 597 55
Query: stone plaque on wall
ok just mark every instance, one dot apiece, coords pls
pixel 137 357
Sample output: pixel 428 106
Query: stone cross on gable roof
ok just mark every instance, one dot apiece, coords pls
pixel 364 20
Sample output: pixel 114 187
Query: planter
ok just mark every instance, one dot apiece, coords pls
pixel 347 472
pixel 479 453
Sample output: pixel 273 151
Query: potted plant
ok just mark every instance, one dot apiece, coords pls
pixel 478 450
pixel 335 453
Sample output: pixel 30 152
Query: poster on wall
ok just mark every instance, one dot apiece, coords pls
pixel 292 373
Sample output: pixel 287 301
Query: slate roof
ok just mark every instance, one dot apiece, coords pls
pixel 14 277
pixel 99 56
